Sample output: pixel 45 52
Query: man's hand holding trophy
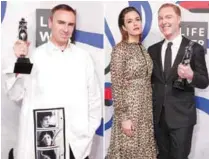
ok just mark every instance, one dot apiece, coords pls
pixel 184 69
pixel 21 47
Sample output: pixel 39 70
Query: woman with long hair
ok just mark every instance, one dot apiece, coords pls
pixel 131 68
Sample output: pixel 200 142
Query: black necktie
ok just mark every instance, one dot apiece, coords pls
pixel 168 59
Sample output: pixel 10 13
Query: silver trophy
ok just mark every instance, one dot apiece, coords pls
pixel 180 83
pixel 23 64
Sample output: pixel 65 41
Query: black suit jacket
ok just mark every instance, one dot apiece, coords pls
pixel 180 110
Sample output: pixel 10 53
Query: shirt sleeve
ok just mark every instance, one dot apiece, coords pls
pixel 94 96
pixel 13 84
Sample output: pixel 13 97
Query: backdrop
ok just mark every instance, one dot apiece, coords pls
pixel 195 18
pixel 94 19
pixel 89 30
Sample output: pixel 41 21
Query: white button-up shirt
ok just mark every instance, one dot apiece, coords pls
pixel 175 47
pixel 58 80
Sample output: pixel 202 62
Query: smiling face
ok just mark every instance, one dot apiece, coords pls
pixel 169 22
pixel 132 24
pixel 62 25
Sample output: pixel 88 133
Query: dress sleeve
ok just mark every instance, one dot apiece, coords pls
pixel 117 67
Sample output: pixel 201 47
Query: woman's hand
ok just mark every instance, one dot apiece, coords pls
pixel 128 127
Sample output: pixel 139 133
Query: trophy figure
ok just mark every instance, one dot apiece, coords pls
pixel 23 64
pixel 180 83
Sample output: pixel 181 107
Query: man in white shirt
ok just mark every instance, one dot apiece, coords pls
pixel 173 108
pixel 62 82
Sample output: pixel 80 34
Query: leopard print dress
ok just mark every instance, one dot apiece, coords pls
pixel 131 69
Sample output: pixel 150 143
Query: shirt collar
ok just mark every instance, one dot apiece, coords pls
pixel 52 47
pixel 176 41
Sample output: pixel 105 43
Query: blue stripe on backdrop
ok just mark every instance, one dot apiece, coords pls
pixel 93 39
pixel 107 84
pixel 109 34
pixel 100 130
pixel 108 124
pixel 202 104
pixel 3 10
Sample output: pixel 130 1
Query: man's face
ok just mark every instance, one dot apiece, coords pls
pixel 45 122
pixel 62 25
pixel 168 22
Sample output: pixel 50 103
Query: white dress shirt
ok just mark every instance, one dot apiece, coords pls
pixel 175 47
pixel 58 80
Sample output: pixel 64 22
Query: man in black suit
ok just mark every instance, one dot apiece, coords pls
pixel 174 109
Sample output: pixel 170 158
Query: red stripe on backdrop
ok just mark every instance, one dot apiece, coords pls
pixel 195 5
pixel 108 93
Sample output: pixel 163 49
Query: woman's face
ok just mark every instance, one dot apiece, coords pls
pixel 132 23
pixel 47 140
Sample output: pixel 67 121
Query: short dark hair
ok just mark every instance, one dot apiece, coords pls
pixel 62 7
pixel 68 8
pixel 41 115
pixel 121 21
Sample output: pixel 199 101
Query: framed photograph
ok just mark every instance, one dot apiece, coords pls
pixel 49 133
pixel 49 154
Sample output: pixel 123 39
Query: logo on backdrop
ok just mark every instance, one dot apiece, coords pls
pixel 196 31
pixel 42 30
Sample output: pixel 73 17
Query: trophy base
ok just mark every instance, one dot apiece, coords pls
pixel 178 84
pixel 23 66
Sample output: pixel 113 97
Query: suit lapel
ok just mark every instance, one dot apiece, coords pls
pixel 178 58
pixel 159 60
